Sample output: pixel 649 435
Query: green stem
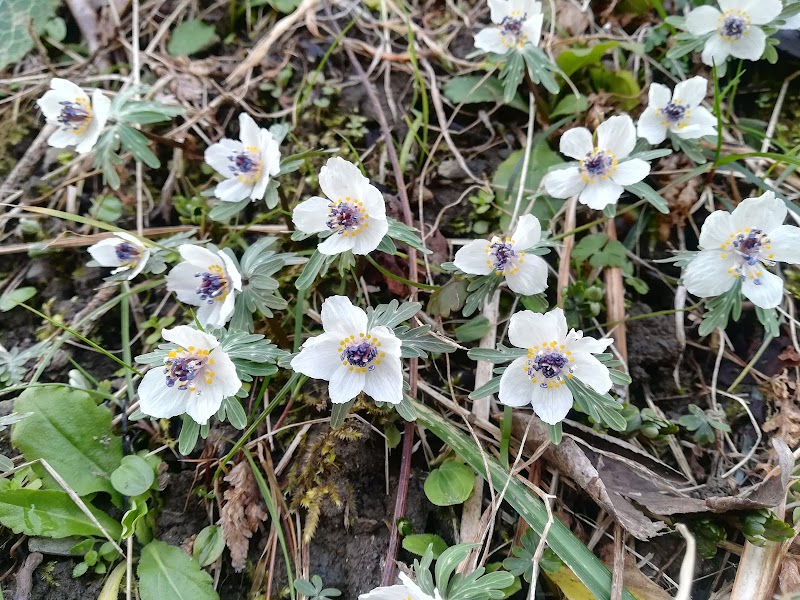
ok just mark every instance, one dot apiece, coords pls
pixel 749 365
pixel 505 434
pixel 390 275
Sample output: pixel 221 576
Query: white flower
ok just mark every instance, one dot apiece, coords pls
pixel 354 211
pixel 196 378
pixel 603 170
pixel 247 165
pixel 79 121
pixel 735 29
pixel 122 251
pixel 516 23
pixel 553 356
pixel 407 591
pixel 351 357
pixel 739 246
pixel 525 274
pixel 208 280
pixel 679 113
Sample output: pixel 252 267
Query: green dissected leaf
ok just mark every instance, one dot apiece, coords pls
pixel 392 314
pixel 138 145
pixel 472 330
pixel 645 192
pixel 602 408
pixel 222 212
pixel 450 484
pixel 404 234
pixel 72 433
pixel 511 74
pixel 208 545
pixel 577 58
pixel 465 89
pixel 133 477
pixel 418 342
pixel 418 543
pixel 191 37
pixel 619 83
pixel 51 513
pixel 168 572
pixel 722 308
pixel 148 111
pixel 313 267
pixel 15 19
pixel 190 432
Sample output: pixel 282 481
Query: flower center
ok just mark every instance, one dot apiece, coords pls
pixel 674 112
pixel 214 284
pixel 75 115
pixel 751 248
pixel 503 258
pixel 549 365
pixel 511 29
pixel 246 166
pixel 360 353
pixel 734 24
pixel 183 366
pixel 346 217
pixel 598 164
pixel 127 254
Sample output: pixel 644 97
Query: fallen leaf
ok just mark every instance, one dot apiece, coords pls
pixel 241 513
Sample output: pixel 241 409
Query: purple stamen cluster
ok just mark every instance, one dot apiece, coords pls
pixel 674 112
pixel 512 27
pixel 749 247
pixel 242 163
pixel 503 252
pixel 182 371
pixel 597 163
pixel 343 216
pixel 360 354
pixel 127 253
pixel 550 365
pixel 73 115
pixel 211 287
pixel 734 27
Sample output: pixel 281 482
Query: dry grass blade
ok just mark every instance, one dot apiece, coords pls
pixel 241 513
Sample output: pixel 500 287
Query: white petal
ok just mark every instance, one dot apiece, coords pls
pixel 198 256
pixel 592 372
pixel 385 382
pixel 374 202
pixel 491 39
pixel 617 135
pixel 204 403
pixel 231 271
pixel 658 96
pixel 339 178
pixel 716 50
pixel 311 216
pixel 651 126
pixel 766 295
pixel 50 105
pixel 499 9
pixel 209 315
pixel 226 380
pixel 601 194
pixel 702 19
pixel 474 258
pixel 555 324
pixel 159 401
pixel 516 388
pixel 336 244
pixel 339 316
pixel 699 123
pixel 222 314
pixel 233 190
pixel 370 236
pixel 390 343
pixel 530 278
pixel 105 252
pixel 527 234
pixel 551 405
pixel 576 143
pixel 707 275
pixel 784 244
pixel 564 183
pixel 532 28
pixel 577 342
pixel 270 154
pixel 751 45
pixel 528 329
pixel 63 138
pixel 765 213
pixel 183 281
pixel 345 384
pixel 249 132
pixel 691 92
pixel 716 230
pixel 413 588
pixel 319 357
pixel 762 12
pixel 631 171
pixel 140 264
pixel 186 336
pixel 218 156
pixel 394 592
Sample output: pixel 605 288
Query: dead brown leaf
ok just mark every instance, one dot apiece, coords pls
pixel 241 513
pixel 789 578
pixel 786 421
pixel 571 18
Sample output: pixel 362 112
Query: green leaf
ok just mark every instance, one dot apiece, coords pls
pixel 418 543
pixel 208 545
pixel 450 484
pixel 168 572
pixel 312 269
pixel 138 145
pixel 223 211
pixel 190 432
pixel 645 192
pixel 148 111
pixel 72 433
pixel 51 513
pixel 571 105
pixel 106 208
pixel 577 58
pixel 235 413
pixel 472 330
pixel 133 477
pixel 11 299
pixel 339 413
pixel 15 19
pixel 191 37
pixel 462 89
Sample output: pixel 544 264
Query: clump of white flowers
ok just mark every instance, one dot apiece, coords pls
pixel 604 167
pixel 122 251
pixel 733 29
pixel 408 590
pixel 554 356
pixel 739 247
pixel 679 112
pixel 516 23
pixel 246 164
pixel 353 214
pixel 351 356
pixel 525 273
pixel 196 377
pixel 206 279
pixel 79 121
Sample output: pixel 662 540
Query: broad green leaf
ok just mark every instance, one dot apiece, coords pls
pixel 51 513
pixel 11 299
pixel 577 58
pixel 472 330
pixel 208 545
pixel 16 17
pixel 418 543
pixel 111 587
pixel 133 477
pixel 72 433
pixel 166 572
pixel 571 105
pixel 450 484
pixel 191 37
pixel 465 89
